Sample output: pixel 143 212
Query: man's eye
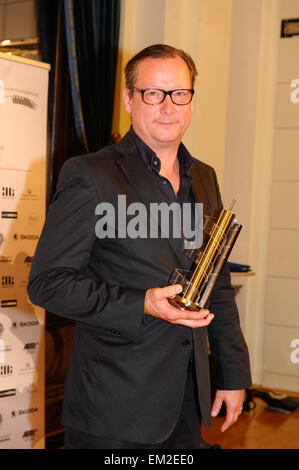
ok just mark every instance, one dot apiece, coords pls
pixel 153 93
pixel 180 93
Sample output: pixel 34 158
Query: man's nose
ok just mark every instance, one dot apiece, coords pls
pixel 167 105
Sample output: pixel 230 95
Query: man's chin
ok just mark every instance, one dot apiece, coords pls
pixel 168 136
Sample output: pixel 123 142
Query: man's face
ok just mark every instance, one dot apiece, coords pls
pixel 163 125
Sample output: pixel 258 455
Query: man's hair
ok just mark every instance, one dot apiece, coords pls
pixel 157 51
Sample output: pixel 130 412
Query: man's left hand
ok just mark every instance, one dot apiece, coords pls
pixel 233 400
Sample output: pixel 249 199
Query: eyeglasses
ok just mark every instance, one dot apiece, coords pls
pixel 156 96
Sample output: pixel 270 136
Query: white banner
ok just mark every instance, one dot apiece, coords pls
pixel 23 140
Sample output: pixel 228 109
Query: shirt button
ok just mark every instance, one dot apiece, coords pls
pixel 186 344
pixel 115 332
pixel 155 162
pixel 164 181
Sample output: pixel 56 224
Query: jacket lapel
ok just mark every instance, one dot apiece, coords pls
pixel 197 188
pixel 204 192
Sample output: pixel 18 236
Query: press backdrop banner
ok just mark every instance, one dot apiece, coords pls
pixel 23 142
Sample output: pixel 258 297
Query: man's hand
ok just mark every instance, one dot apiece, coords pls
pixel 233 400
pixel 157 305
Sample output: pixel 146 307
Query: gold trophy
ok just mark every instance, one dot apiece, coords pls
pixel 219 238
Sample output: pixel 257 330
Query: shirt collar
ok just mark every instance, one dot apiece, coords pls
pixel 153 162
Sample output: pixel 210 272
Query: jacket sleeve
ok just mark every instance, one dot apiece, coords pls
pixel 228 349
pixel 229 354
pixel 58 280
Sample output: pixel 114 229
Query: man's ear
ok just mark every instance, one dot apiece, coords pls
pixel 127 99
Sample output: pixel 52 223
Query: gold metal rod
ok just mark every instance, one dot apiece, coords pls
pixel 216 237
pixel 232 237
pixel 209 261
pixel 232 205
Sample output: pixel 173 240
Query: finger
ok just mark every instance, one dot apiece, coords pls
pixel 217 404
pixel 179 314
pixel 231 418
pixel 169 291
pixel 226 425
pixel 195 323
pixel 188 318
pixel 238 413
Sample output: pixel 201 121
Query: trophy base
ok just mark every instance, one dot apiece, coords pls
pixel 183 304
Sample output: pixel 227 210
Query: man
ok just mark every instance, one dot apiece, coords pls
pixel 139 372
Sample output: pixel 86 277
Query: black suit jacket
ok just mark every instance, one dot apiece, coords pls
pixel 127 373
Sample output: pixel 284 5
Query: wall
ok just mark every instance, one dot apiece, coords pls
pixel 248 159
pixel 203 28
pixel 261 171
pixel 282 300
pixel 17 19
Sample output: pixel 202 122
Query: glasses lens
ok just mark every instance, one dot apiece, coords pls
pixel 152 96
pixel 181 96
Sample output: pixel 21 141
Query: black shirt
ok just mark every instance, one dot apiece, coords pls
pixel 153 163
pixel 185 192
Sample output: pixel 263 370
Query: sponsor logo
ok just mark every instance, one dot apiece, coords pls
pixel 8 192
pixel 5 259
pixel 32 388
pixel 8 393
pixel 23 324
pixel 33 219
pixel 22 100
pixel 28 194
pixel 30 434
pixel 9 303
pixel 9 215
pixel 1 239
pixel 30 346
pixel 4 347
pixel 7 281
pixel 24 236
pixel 15 413
pixel 2 92
pixel 6 370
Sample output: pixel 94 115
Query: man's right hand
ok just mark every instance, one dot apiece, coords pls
pixel 157 305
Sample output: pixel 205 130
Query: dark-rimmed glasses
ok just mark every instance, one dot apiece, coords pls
pixel 154 96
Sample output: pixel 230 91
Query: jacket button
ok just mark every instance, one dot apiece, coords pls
pixel 115 332
pixel 186 344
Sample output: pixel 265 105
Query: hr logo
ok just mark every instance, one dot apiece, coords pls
pixel 8 192
pixel 295 94
pixel 294 355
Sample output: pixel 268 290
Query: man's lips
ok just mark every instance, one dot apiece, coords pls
pixel 166 123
